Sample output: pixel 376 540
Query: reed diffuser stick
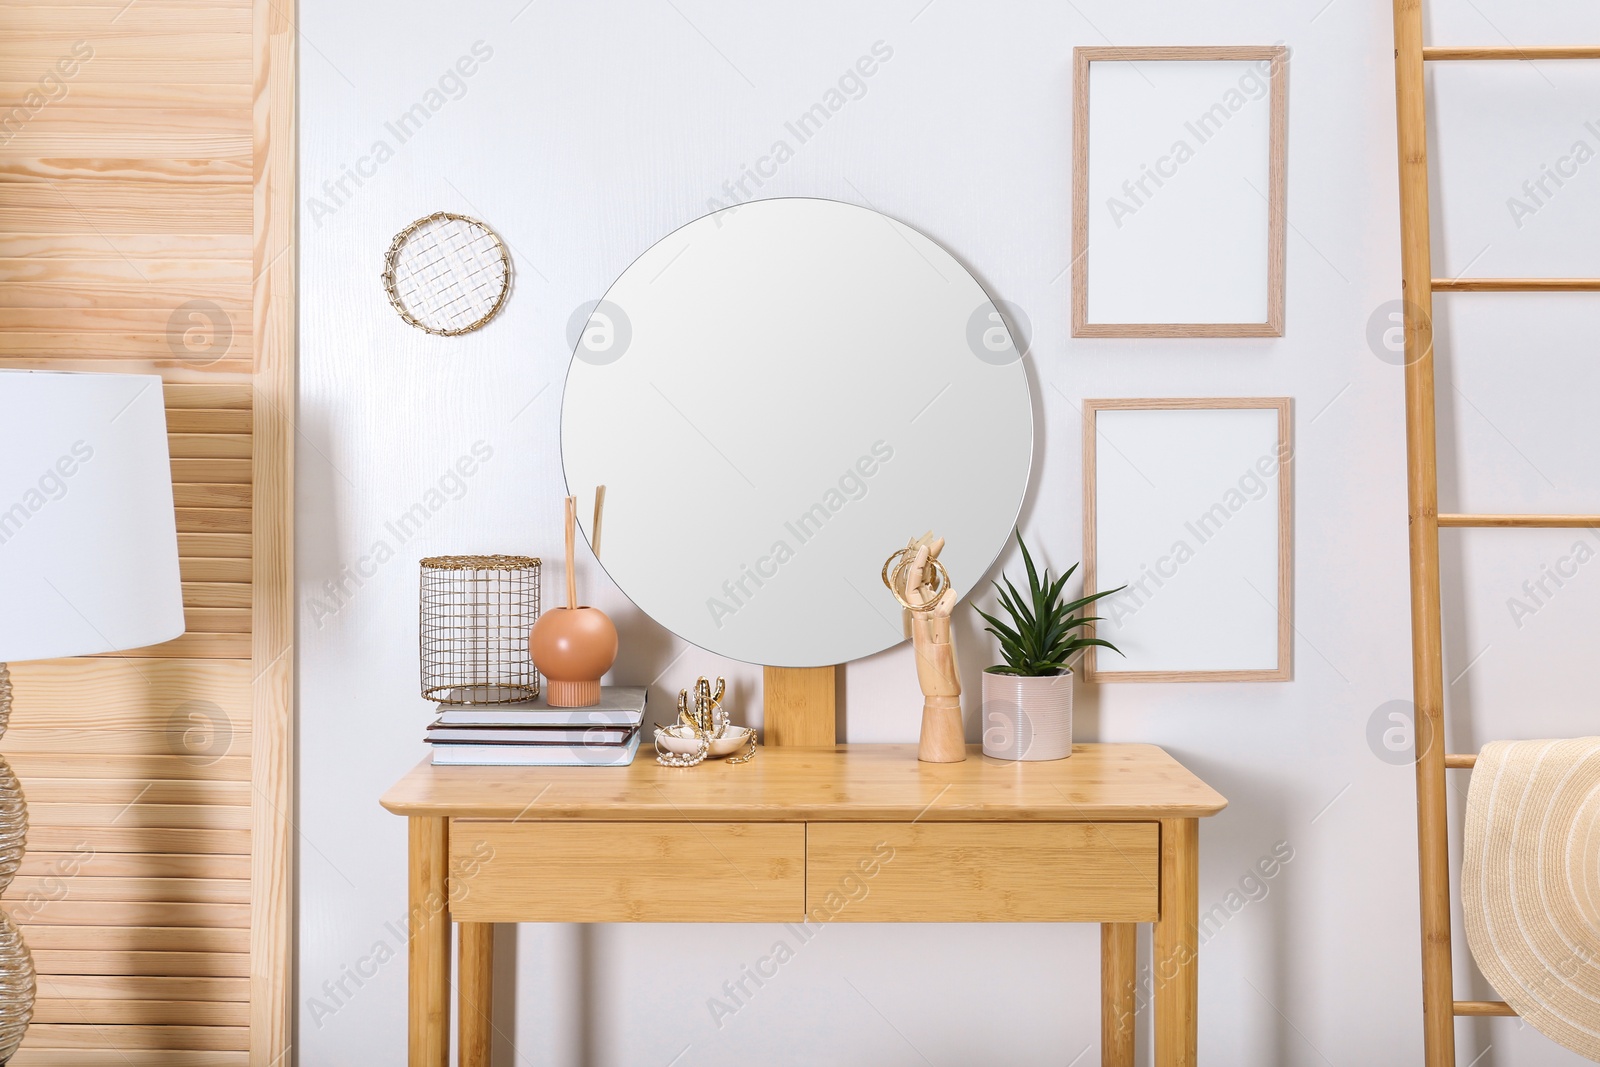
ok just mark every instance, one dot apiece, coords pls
pixel 599 509
pixel 572 574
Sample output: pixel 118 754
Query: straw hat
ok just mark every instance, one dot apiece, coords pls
pixel 1530 883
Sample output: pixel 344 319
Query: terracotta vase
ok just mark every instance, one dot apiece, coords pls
pixel 573 647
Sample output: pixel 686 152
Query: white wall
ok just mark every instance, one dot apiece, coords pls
pixel 594 128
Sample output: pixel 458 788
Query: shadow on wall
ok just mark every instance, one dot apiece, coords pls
pixel 1256 864
pixel 317 496
pixel 503 1048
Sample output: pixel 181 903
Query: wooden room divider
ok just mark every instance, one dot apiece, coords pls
pixel 1439 1006
pixel 147 201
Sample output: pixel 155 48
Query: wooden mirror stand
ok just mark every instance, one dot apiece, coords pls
pixel 799 706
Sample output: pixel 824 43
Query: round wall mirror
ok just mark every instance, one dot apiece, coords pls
pixel 776 397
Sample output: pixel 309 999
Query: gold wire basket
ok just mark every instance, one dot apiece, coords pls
pixel 476 612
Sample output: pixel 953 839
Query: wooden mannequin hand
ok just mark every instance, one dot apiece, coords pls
pixel 942 739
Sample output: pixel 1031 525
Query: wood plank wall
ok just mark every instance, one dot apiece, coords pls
pixel 146 224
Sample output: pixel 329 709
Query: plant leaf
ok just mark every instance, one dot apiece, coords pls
pixel 995 623
pixel 1055 590
pixel 1085 642
pixel 1023 614
pixel 1027 561
pixel 1092 597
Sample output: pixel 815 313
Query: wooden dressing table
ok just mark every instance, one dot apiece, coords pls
pixel 849 833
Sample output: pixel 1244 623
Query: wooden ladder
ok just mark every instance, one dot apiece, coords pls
pixel 1439 1006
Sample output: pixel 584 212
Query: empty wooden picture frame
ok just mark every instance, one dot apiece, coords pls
pixel 1189 503
pixel 1178 190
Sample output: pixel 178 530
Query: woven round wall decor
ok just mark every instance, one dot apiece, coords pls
pixel 447 274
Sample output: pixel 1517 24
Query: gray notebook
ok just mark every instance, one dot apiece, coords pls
pixel 620 705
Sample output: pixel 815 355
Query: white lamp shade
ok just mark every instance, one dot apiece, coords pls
pixel 88 538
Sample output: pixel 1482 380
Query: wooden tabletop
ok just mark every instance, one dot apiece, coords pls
pixel 847 783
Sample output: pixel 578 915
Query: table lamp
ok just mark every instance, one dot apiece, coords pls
pixel 88 564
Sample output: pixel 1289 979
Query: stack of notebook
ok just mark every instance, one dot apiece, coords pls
pixel 533 734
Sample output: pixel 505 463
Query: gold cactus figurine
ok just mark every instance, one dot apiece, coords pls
pixel 703 730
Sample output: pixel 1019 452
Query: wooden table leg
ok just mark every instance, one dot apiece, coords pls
pixel 430 943
pixel 1119 963
pixel 1177 945
pixel 475 980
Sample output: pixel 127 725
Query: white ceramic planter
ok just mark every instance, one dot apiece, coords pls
pixel 1027 718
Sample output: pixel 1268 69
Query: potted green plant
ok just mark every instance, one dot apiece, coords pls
pixel 1027 700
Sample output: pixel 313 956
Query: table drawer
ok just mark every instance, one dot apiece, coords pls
pixel 983 872
pixel 626 872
